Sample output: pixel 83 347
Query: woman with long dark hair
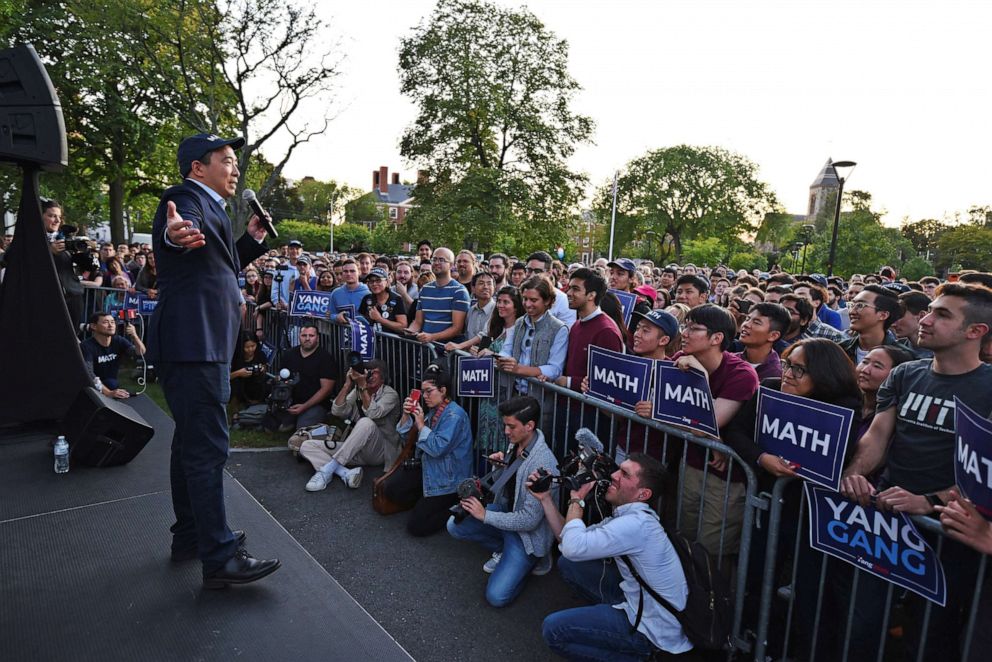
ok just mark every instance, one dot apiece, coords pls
pixel 509 308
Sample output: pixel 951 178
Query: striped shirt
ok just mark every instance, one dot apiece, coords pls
pixel 439 302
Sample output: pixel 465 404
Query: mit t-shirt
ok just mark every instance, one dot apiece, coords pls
pixel 921 454
pixel 105 361
pixel 311 369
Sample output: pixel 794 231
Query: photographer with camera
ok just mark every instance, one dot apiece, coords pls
pixel 512 526
pixel 373 408
pixel 103 350
pixel 248 375
pixel 72 259
pixel 626 621
pixel 315 370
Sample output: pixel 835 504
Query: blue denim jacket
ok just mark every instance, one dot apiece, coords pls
pixel 446 450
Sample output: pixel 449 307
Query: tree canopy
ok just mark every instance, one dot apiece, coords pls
pixel 494 127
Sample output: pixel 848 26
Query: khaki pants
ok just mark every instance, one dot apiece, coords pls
pixel 362 446
pixel 723 511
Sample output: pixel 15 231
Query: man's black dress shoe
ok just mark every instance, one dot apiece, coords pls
pixel 242 568
pixel 190 553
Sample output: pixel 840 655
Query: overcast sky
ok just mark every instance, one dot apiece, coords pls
pixel 902 87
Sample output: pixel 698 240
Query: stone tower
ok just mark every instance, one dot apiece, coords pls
pixel 822 189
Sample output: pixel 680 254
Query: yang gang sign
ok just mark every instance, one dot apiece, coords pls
pixel 885 544
pixel 682 397
pixel 476 377
pixel 810 435
pixel 310 303
pixel 973 457
pixel 617 378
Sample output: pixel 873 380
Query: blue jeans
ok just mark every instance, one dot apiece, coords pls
pixel 599 632
pixel 507 581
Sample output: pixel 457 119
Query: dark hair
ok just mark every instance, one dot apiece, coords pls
pixel 543 256
pixel 496 323
pixel 977 302
pixel 518 266
pixel 816 291
pixel 697 282
pixel 48 203
pixel 716 320
pixel 896 354
pixel 915 302
pixel 501 256
pixel 976 278
pixel 803 307
pixel 929 280
pixel 478 275
pixel 591 281
pixel 524 408
pixel 652 475
pixel 830 369
pixel 424 242
pixel 309 324
pixel 781 278
pixel 887 301
pixel 437 375
pixel 778 289
pixel 670 270
pixel 778 315
pixel 541 285
pixel 95 317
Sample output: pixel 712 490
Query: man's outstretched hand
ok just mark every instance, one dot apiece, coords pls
pixel 180 232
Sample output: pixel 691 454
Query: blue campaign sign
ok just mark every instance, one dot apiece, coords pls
pixel 973 457
pixel 362 340
pixel 627 301
pixel 807 433
pixel 885 544
pixel 146 306
pixel 682 397
pixel 132 300
pixel 620 379
pixel 310 303
pixel 268 350
pixel 476 377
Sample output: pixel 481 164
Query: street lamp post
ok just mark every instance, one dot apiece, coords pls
pixel 840 195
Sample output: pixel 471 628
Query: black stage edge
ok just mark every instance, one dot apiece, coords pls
pixel 85 572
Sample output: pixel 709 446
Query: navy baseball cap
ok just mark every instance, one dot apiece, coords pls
pixel 663 320
pixel 377 272
pixel 295 243
pixel 196 147
pixel 819 279
pixel 623 263
pixel 897 287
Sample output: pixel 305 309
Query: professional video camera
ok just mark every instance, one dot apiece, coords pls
pixel 281 395
pixel 356 362
pixel 480 488
pixel 78 248
pixel 255 368
pixel 588 464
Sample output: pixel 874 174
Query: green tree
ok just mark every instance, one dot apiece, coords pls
pixel 915 268
pixel 385 239
pixel 686 192
pixel 777 229
pixel 966 245
pixel 748 260
pixel 365 210
pixel 703 252
pixel 924 235
pixel 350 238
pixel 317 198
pixel 494 127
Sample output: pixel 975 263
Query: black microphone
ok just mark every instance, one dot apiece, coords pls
pixel 249 196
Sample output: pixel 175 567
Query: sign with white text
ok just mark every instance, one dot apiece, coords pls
pixel 362 339
pixel 627 302
pixel 883 543
pixel 683 398
pixel 146 306
pixel 310 303
pixel 476 376
pixel 973 457
pixel 810 435
pixel 620 379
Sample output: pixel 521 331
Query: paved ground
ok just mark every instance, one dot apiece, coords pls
pixel 427 593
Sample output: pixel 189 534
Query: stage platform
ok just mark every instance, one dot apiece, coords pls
pixel 85 572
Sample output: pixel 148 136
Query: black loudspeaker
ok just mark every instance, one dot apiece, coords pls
pixel 103 432
pixel 32 129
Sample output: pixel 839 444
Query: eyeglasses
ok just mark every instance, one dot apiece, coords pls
pixel 535 271
pixel 441 260
pixel 858 306
pixel 798 371
pixel 685 329
pixel 429 390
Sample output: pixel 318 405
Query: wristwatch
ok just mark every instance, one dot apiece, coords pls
pixel 933 499
pixel 581 502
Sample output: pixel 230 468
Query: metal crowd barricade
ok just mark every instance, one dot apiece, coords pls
pixel 780 592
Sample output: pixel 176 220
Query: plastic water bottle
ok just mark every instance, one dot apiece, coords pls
pixel 98 385
pixel 61 455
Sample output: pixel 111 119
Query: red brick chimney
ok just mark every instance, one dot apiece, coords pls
pixel 396 178
pixel 375 179
pixel 384 179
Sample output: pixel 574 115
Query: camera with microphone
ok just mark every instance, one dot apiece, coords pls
pixel 281 396
pixel 588 464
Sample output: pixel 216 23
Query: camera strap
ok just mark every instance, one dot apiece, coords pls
pixel 654 594
pixel 509 472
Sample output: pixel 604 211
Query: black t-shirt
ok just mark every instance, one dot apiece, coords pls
pixel 254 384
pixel 311 369
pixel 394 306
pixel 105 361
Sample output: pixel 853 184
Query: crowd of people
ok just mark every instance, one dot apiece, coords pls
pixel 873 342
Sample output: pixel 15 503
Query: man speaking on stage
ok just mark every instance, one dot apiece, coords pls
pixel 191 339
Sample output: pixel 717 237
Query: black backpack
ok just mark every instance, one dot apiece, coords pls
pixel 708 617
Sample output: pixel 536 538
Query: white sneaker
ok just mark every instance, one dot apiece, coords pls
pixel 544 565
pixel 317 483
pixel 490 566
pixel 354 478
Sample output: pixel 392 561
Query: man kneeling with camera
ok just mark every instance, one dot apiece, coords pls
pixel 512 526
pixel 627 622
pixel 374 408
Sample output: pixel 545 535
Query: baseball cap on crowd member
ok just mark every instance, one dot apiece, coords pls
pixel 196 147
pixel 623 263
pixel 647 291
pixel 819 279
pixel 295 243
pixel 377 272
pixel 303 259
pixel 661 319
pixel 897 287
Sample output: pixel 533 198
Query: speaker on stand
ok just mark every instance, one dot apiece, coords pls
pixel 103 432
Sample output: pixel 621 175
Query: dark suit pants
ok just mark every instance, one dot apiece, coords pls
pixel 197 394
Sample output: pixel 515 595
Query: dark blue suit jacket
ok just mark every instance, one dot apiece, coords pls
pixel 199 310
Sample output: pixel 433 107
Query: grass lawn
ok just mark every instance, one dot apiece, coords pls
pixel 239 438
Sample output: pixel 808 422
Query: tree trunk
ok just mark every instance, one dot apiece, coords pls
pixel 116 199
